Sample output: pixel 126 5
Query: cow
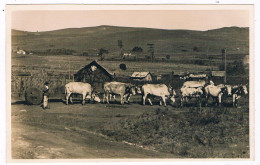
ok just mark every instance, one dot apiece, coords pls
pixel 215 92
pixel 118 88
pixel 194 84
pixel 237 92
pixel 188 93
pixel 160 90
pixel 78 88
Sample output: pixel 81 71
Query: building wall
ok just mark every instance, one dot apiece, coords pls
pixel 96 78
pixel 148 78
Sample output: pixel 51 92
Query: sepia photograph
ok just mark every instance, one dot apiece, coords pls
pixel 167 82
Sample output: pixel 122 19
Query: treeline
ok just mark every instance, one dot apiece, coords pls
pixel 62 51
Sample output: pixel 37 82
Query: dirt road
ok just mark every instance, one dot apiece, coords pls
pixel 69 132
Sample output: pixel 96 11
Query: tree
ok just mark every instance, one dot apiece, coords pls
pixel 120 45
pixel 122 66
pixel 137 50
pixel 101 53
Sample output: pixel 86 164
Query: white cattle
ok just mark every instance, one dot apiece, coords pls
pixel 237 92
pixel 118 88
pixel 188 93
pixel 215 92
pixel 194 84
pixel 78 88
pixel 160 90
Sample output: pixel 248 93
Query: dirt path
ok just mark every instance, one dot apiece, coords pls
pixel 35 135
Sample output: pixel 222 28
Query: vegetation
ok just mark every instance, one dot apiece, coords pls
pixel 101 53
pixel 171 42
pixel 189 134
pixel 234 68
pixel 122 66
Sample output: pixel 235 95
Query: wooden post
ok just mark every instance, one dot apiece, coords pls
pixel 225 59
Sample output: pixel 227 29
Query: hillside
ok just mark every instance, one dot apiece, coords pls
pixel 172 42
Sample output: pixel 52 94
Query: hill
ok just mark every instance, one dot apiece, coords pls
pixel 172 42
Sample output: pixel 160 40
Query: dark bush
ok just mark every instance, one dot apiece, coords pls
pixel 199 62
pixel 195 49
pixel 122 66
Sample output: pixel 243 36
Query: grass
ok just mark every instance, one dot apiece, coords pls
pixel 131 131
pixel 172 42
pixel 221 133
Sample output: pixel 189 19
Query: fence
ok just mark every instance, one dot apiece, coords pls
pixel 19 84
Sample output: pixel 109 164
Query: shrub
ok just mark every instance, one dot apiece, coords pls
pixel 195 49
pixel 122 66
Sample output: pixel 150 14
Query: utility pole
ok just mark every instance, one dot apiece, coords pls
pixel 151 51
pixel 224 55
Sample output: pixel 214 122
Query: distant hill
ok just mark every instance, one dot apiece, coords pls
pixel 166 42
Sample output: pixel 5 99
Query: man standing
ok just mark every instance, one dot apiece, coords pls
pixel 46 95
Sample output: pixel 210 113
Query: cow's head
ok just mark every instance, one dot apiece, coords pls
pixel 138 90
pixel 172 98
pixel 229 90
pixel 131 89
pixel 244 88
pixel 96 98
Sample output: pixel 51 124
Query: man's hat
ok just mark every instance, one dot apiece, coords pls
pixel 46 83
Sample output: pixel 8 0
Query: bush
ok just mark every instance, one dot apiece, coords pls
pixel 195 49
pixel 236 67
pixel 122 66
pixel 199 62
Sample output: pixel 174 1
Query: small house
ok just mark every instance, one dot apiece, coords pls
pixel 142 76
pixel 198 76
pixel 21 52
pixel 95 74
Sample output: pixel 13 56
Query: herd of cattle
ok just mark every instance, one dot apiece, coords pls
pixel 189 90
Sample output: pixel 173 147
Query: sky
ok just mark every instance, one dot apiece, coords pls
pixel 160 19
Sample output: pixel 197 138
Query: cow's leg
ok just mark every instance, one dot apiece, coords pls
pixel 219 99
pixel 71 99
pixel 206 100
pixel 150 101
pixel 144 98
pixel 83 98
pixel 122 98
pixel 104 96
pixel 164 100
pixel 182 99
pixel 128 97
pixel 161 102
pixel 67 98
pixel 234 100
pixel 107 95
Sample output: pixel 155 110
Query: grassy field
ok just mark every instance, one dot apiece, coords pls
pixel 172 42
pixel 62 64
pixel 129 131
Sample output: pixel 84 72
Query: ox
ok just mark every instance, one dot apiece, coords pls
pixel 188 93
pixel 215 92
pixel 194 84
pixel 79 88
pixel 160 90
pixel 118 88
pixel 237 92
